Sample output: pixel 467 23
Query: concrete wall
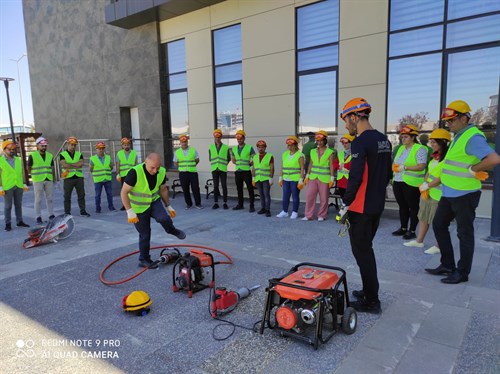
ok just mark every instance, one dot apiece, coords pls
pixel 82 71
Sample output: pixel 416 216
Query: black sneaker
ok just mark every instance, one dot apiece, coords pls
pixel 409 235
pixel 112 209
pixel 365 306
pixel 84 214
pixel 238 207
pixel 39 221
pixel 358 294
pixel 268 213
pixel 51 217
pixel 8 227
pixel 399 232
pixel 22 224
pixel 215 206
pixel 262 211
pixel 147 264
pixel 179 234
pixel 440 270
pixel 252 208
pixel 225 206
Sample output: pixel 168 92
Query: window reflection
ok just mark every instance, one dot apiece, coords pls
pixel 229 110
pixel 412 13
pixel 179 113
pixel 464 8
pixel 473 31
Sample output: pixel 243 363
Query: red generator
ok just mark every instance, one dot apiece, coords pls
pixel 309 303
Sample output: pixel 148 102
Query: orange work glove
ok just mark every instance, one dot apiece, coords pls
pixel 171 211
pixel 132 217
pixel 64 174
pixel 332 182
pixel 253 181
pixel 118 178
pixel 280 181
pixel 300 185
pixel 424 190
pixel 25 188
pixel 397 168
pixel 307 179
pixel 2 192
pixel 481 175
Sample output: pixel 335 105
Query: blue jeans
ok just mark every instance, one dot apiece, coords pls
pixel 463 210
pixel 290 188
pixel 264 192
pixel 14 195
pixel 98 190
pixel 143 227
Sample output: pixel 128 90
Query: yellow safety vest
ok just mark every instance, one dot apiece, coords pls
pixel 243 159
pixel 101 172
pixel 342 174
pixel 126 163
pixel 218 160
pixel 320 168
pixel 141 196
pixel 71 172
pixel 41 169
pixel 262 168
pixel 186 163
pixel 455 173
pixel 291 166
pixel 435 168
pixel 411 177
pixel 11 176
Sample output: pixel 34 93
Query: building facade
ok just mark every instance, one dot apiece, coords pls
pixel 158 68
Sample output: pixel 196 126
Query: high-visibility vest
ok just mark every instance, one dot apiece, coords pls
pixel 262 168
pixel 218 160
pixel 320 168
pixel 126 163
pixel 11 176
pixel 434 172
pixel 186 163
pixel 73 171
pixel 141 196
pixel 291 166
pixel 342 174
pixel 455 173
pixel 41 169
pixel 101 172
pixel 243 159
pixel 411 177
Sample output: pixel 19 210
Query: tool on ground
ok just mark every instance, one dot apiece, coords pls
pixel 309 303
pixel 224 301
pixel 57 228
pixel 191 269
pixel 138 302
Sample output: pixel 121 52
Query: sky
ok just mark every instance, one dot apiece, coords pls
pixel 13 46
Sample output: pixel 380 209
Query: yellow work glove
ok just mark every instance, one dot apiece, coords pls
pixel 2 192
pixel 424 190
pixel 307 179
pixel 332 182
pixel 397 168
pixel 300 185
pixel 132 217
pixel 64 174
pixel 118 178
pixel 25 188
pixel 280 181
pixel 171 211
pixel 253 181
pixel 481 175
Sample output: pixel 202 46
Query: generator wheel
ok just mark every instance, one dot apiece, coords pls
pixel 349 321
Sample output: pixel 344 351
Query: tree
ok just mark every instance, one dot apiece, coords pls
pixel 417 119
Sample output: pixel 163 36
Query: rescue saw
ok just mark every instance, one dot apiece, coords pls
pixel 60 227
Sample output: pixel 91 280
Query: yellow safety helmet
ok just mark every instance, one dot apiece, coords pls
pixel 137 301
pixel 321 134
pixel 240 134
pixel 6 143
pixel 348 137
pixel 217 133
pixel 455 108
pixel 292 140
pixel 409 130
pixel 440 134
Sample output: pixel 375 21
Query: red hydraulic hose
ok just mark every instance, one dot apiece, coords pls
pixel 113 283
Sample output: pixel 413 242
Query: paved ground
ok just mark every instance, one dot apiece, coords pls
pixel 56 316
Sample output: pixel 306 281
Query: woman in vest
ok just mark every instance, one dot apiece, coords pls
pixel 430 190
pixel 409 171
pixel 319 178
pixel 342 164
pixel 291 177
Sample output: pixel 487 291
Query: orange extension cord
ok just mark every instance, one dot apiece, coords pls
pixel 113 283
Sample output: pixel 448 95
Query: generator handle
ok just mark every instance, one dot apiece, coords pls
pixel 296 267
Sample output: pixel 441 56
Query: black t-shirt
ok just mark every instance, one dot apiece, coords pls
pixel 131 178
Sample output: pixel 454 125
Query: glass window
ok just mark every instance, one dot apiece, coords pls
pixel 414 91
pixel 412 13
pixel 177 81
pixel 317 64
pixel 176 52
pixel 228 79
pixel 473 31
pixel 465 8
pixel 178 103
pixel 177 88
pixel 416 41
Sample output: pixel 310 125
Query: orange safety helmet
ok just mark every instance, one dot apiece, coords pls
pixel 261 143
pixel 240 134
pixel 217 133
pixel 440 134
pixel 409 130
pixel 72 140
pixel 321 134
pixel 125 141
pixel 100 145
pixel 6 143
pixel 184 137
pixel 454 109
pixel 348 137
pixel 358 104
pixel 292 140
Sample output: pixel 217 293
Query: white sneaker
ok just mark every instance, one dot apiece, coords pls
pixel 414 243
pixel 321 219
pixel 294 215
pixel 432 250
pixel 282 214
pixel 305 219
